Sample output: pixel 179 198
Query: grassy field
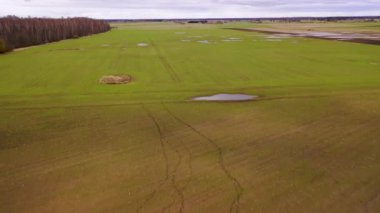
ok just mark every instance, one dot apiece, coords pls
pixel 310 143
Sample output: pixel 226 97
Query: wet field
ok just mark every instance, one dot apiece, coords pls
pixel 365 38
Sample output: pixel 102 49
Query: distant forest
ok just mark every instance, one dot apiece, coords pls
pixel 22 32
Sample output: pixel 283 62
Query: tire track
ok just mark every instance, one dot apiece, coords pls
pixel 234 207
pixel 180 190
pixel 190 167
pixel 190 158
pixel 173 180
pixel 164 154
pixel 167 65
pixel 375 196
pixel 119 57
pixel 168 174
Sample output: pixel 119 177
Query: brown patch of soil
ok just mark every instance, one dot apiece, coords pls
pixel 115 79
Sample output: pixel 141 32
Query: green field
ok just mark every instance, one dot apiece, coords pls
pixel 309 143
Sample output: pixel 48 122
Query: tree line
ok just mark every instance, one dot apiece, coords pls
pixel 22 32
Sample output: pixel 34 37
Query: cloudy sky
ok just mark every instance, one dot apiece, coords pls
pixel 188 8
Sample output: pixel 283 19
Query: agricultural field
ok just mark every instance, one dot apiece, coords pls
pixel 309 142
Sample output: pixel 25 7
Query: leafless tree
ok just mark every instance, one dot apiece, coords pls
pixel 22 32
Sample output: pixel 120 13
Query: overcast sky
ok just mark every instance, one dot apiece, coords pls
pixel 188 8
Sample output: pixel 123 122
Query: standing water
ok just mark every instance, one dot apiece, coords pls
pixel 226 97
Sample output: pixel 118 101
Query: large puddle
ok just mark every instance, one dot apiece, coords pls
pixel 226 97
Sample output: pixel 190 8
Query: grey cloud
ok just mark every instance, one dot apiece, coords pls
pixel 188 8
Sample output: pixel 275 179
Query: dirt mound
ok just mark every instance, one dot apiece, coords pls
pixel 115 79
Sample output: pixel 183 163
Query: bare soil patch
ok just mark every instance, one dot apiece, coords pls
pixel 115 79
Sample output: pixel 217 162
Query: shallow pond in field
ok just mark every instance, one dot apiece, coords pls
pixel 226 97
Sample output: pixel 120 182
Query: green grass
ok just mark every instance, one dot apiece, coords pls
pixel 310 143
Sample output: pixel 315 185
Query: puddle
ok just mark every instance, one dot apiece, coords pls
pixel 232 39
pixel 106 45
pixel 142 44
pixel 204 42
pixel 186 40
pixel 180 33
pixel 226 40
pixel 279 36
pixel 226 97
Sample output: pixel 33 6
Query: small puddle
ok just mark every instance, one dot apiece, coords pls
pixel 226 40
pixel 196 36
pixel 204 42
pixel 279 36
pixel 142 44
pixel 232 39
pixel 226 97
